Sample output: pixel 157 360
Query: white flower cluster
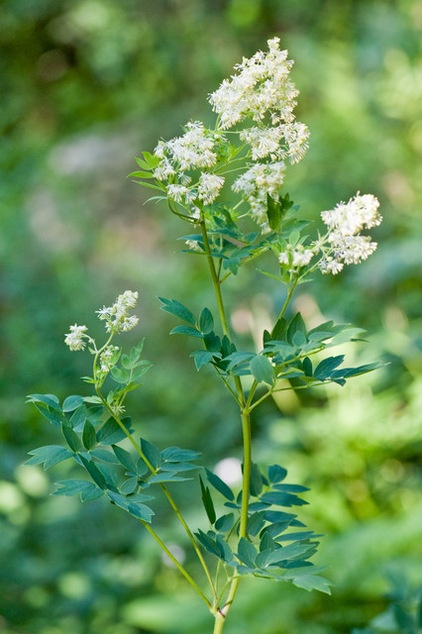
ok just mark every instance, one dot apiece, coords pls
pixel 108 359
pixel 75 339
pixel 258 181
pixel 296 257
pixel 117 316
pixel 262 91
pixel 195 150
pixel 117 320
pixel 260 87
pixel 345 222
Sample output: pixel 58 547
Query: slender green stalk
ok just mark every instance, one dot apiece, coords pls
pixel 168 496
pixel 246 431
pixel 178 565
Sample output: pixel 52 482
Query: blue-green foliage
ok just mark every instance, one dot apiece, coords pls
pixel 277 546
pixel 287 351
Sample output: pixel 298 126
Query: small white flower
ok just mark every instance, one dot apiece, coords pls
pixel 116 316
pixel 193 245
pixel 75 338
pixel 344 224
pixel 178 193
pixel 296 257
pixel 209 187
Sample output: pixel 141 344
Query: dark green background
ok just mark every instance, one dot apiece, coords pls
pixel 86 85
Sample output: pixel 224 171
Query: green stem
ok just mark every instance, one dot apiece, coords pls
pixel 178 565
pixel 287 300
pixel 167 494
pixel 246 432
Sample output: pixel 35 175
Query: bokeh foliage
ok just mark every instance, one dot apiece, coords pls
pixel 85 85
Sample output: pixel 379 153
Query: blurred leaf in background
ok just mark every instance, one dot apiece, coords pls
pixel 85 84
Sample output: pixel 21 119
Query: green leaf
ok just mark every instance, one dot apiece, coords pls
pixel 49 455
pixel 175 454
pixel 296 324
pixel 176 308
pixel 72 402
pixel 166 476
pixel 208 543
pixel 120 375
pixel 71 438
pixel 104 455
pixel 48 405
pixel 307 366
pixel 186 330
pixel 206 321
pixel 256 482
pixel 312 582
pixel 86 490
pixel 125 459
pixel 129 486
pixel 279 331
pixel 274 213
pixel 133 505
pixel 50 400
pixel 201 358
pixel 276 473
pixel 219 485
pixel 89 437
pixel 256 522
pixel 262 369
pixel 151 453
pixel 94 472
pixel 212 342
pixel 111 432
pixel 247 552
pixel 225 523
pixel 282 499
pixel 207 502
pixel 327 366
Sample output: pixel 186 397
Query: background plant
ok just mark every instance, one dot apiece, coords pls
pixel 66 159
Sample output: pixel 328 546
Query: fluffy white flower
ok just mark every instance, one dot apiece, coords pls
pixel 117 316
pixel 178 193
pixel 349 218
pixel 258 181
pixel 260 87
pixel 296 257
pixel 75 338
pixel 209 187
pixel 344 224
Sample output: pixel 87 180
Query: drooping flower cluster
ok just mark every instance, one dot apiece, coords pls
pixel 117 316
pixel 117 320
pixel 345 222
pixel 75 339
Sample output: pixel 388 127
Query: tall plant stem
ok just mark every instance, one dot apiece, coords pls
pixel 246 431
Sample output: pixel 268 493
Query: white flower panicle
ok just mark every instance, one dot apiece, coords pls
pixel 117 316
pixel 260 87
pixel 195 149
pixel 75 339
pixel 344 224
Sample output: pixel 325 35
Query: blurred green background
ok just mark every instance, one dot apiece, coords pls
pixel 86 85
